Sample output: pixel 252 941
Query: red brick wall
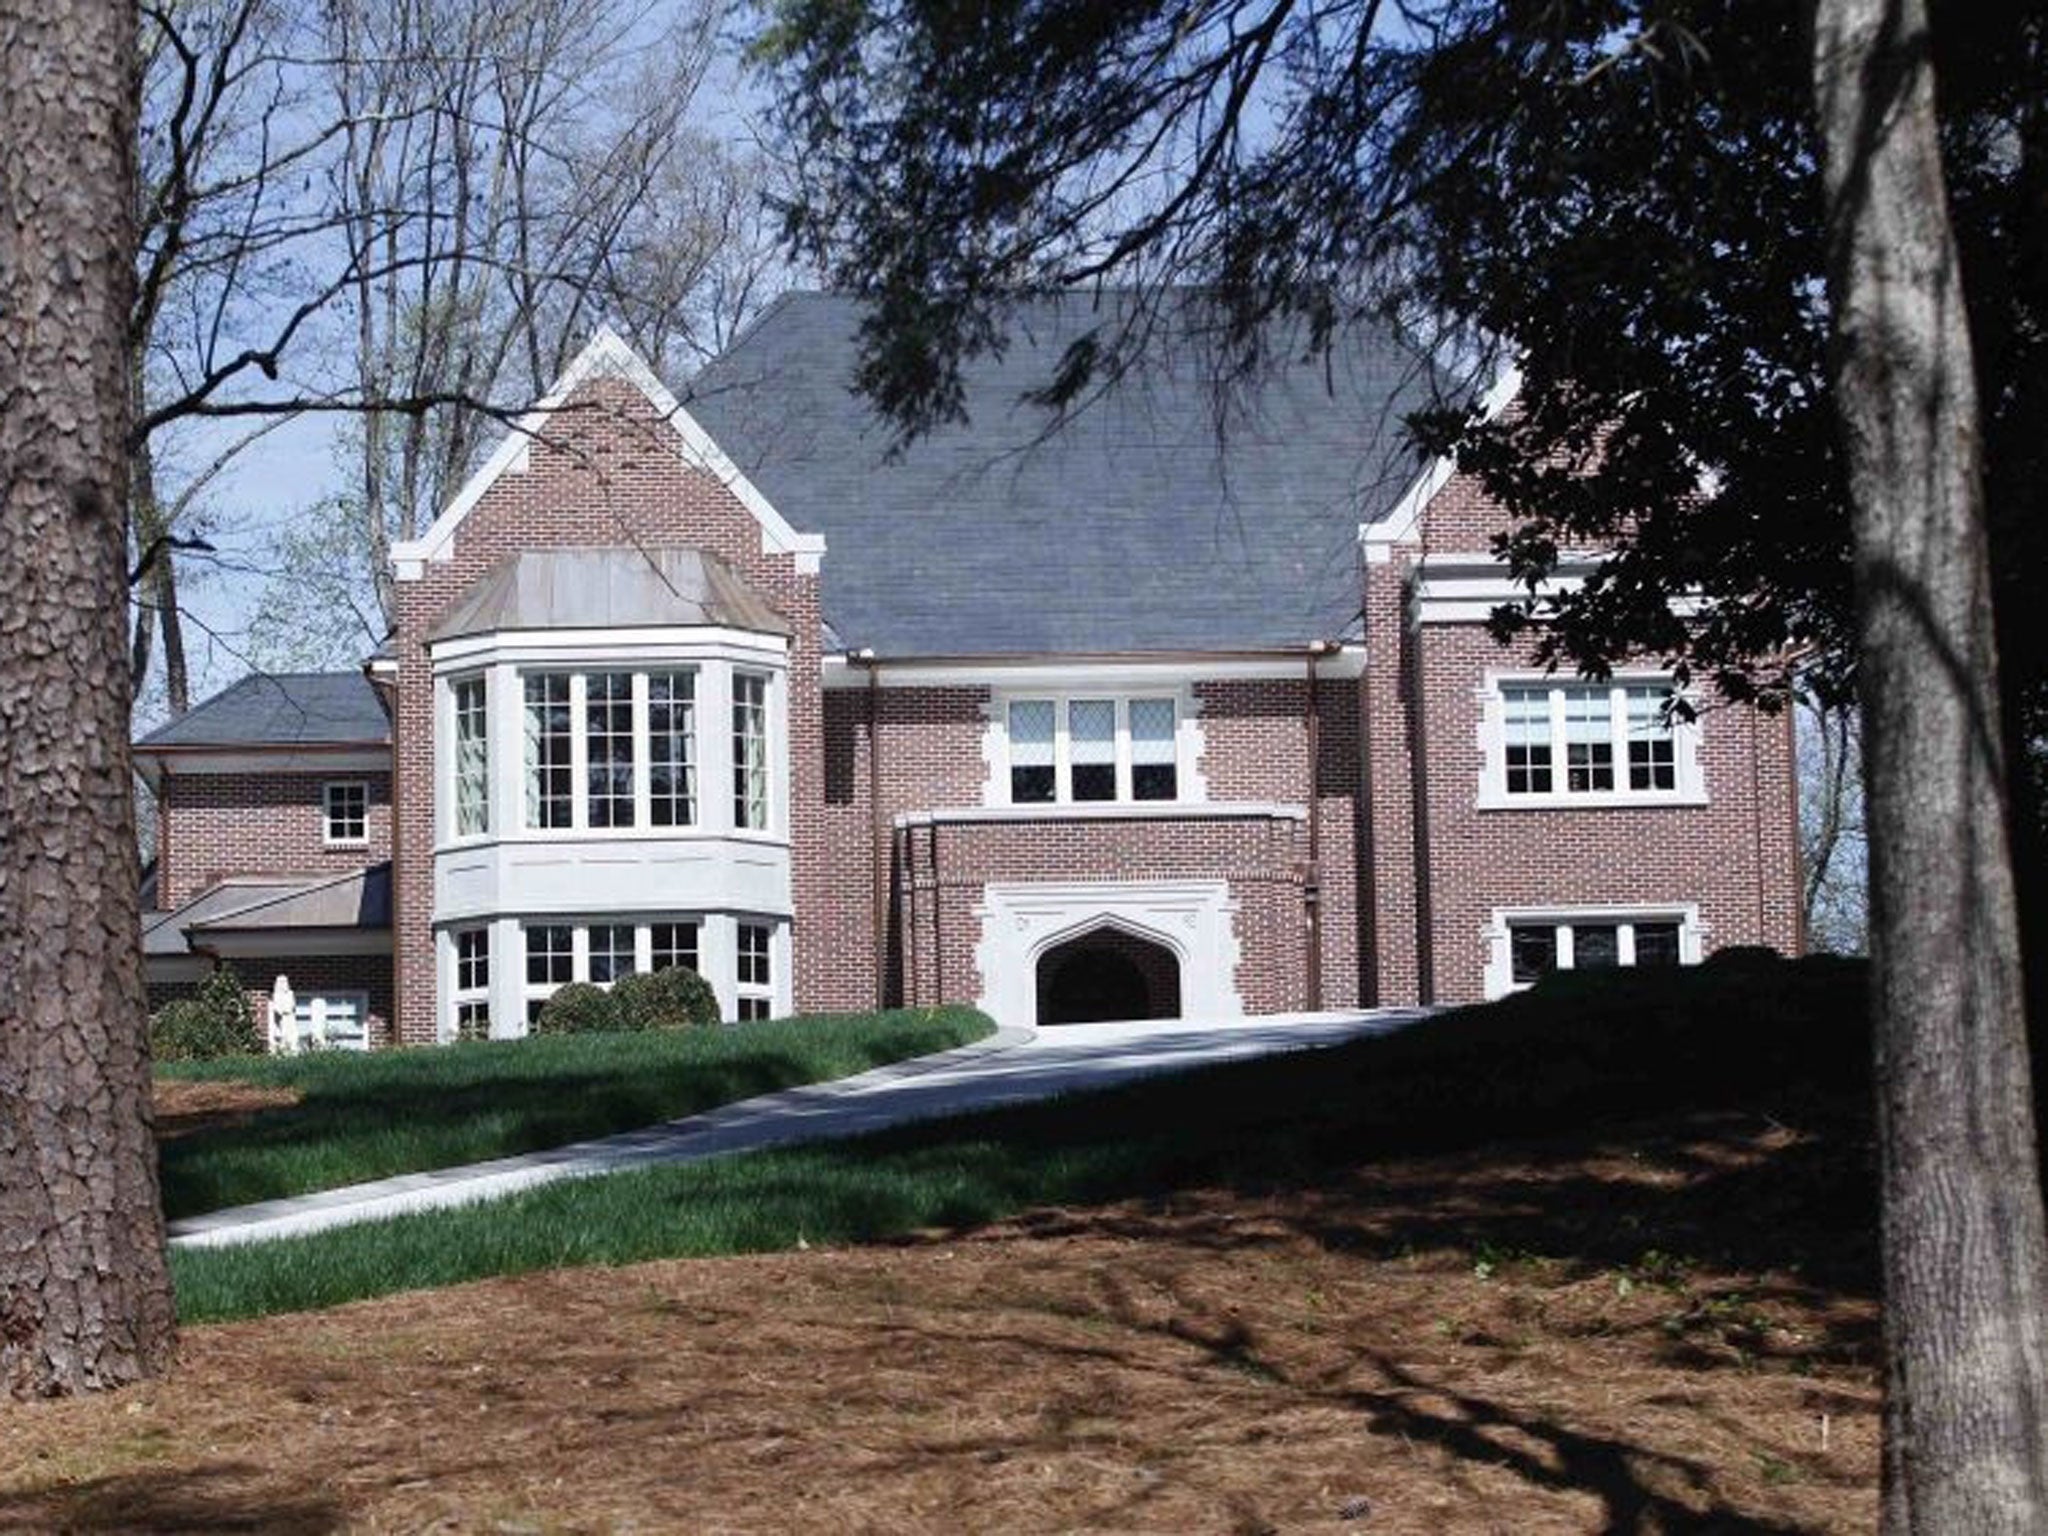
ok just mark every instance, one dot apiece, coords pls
pixel 1438 865
pixel 218 824
pixel 607 471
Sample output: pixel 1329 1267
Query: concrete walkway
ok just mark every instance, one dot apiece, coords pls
pixel 1010 1067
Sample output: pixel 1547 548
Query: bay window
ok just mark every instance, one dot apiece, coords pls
pixel 1092 750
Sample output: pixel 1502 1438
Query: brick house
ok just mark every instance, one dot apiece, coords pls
pixel 1163 712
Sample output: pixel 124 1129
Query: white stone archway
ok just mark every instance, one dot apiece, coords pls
pixel 1021 921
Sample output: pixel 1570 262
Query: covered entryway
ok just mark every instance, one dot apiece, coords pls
pixel 1107 974
pixel 1082 952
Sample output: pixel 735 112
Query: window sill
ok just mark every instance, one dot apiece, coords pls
pixel 570 838
pixel 1111 810
pixel 345 845
pixel 1607 801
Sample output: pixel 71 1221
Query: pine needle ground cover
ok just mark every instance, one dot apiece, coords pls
pixel 1590 1262
pixel 257 1128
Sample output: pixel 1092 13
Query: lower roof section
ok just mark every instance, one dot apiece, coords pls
pixel 277 914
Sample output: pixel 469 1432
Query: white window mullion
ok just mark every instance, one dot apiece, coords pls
pixel 579 752
pixel 1062 755
pixel 1625 944
pixel 1564 946
pixel 1123 751
pixel 579 951
pixel 1560 755
pixel 643 754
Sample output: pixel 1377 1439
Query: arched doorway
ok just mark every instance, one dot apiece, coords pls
pixel 1107 973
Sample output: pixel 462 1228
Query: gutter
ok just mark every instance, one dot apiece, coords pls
pixel 1312 875
pixel 878 863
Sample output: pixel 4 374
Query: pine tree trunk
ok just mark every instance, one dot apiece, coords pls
pixel 1965 1263
pixel 84 1296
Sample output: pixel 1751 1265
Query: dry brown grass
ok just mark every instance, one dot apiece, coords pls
pixel 1352 1359
pixel 185 1107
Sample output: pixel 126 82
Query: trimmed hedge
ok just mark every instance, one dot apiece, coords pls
pixel 676 998
pixel 579 1009
pixel 216 1022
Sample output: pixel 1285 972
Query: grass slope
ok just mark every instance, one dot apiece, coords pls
pixel 368 1116
pixel 1782 1038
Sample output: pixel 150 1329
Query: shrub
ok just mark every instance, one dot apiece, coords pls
pixel 216 1021
pixel 579 1009
pixel 674 998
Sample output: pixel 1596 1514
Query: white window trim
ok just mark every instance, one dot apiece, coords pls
pixel 717 958
pixel 1189 786
pixel 460 996
pixel 753 991
pixel 445 764
pixel 712 669
pixel 1690 788
pixel 327 790
pixel 1500 964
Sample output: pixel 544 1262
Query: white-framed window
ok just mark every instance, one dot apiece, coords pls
pixel 472 756
pixel 672 944
pixel 753 975
pixel 750 751
pixel 550 964
pixel 345 811
pixel 550 730
pixel 472 983
pixel 614 952
pixel 672 748
pixel 610 748
pixel 1092 749
pixel 601 953
pixel 1549 743
pixel 331 1021
pixel 1525 945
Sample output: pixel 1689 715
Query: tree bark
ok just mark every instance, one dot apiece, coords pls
pixel 84 1295
pixel 1965 1262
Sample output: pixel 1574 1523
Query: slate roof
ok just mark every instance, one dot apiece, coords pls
pixel 1141 524
pixel 281 709
pixel 268 903
pixel 608 589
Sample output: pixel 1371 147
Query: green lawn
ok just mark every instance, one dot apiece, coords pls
pixel 1770 1037
pixel 367 1116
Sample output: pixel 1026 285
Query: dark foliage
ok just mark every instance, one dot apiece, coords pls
pixel 580 1009
pixel 215 1022
pixel 674 998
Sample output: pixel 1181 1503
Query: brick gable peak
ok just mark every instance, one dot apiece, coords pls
pixel 607 356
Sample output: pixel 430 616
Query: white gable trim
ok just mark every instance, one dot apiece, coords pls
pixel 607 356
pixel 1403 525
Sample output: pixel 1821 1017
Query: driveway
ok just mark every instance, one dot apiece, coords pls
pixel 1012 1066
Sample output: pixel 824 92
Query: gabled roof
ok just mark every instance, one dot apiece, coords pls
pixel 281 709
pixel 608 588
pixel 1143 523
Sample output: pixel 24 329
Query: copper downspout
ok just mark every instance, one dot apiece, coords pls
pixel 878 855
pixel 1312 876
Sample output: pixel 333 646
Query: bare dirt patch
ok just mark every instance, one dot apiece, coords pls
pixel 1556 1338
pixel 185 1107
